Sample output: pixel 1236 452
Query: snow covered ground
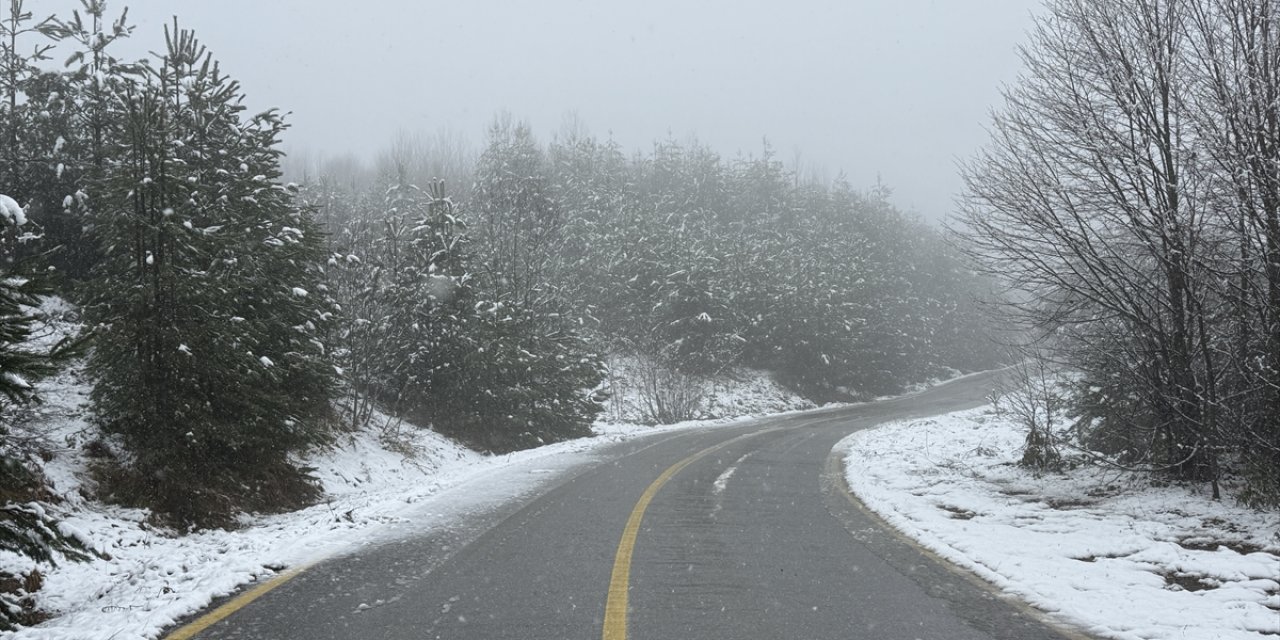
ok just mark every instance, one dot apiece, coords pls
pixel 1108 551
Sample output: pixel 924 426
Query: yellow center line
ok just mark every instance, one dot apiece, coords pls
pixel 188 631
pixel 615 607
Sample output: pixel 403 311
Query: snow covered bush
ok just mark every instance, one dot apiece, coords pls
pixel 520 381
pixel 668 396
pixel 1031 399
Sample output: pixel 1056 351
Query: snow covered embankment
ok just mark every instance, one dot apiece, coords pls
pixel 1101 549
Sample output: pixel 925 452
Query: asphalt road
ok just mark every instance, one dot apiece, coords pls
pixel 754 539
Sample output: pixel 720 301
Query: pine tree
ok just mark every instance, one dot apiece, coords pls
pixel 516 382
pixel 209 300
pixel 493 373
pixel 525 373
pixel 78 103
pixel 517 224
pixel 25 147
pixel 425 293
pixel 30 102
pixel 17 69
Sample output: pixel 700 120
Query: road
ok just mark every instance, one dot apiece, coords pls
pixel 736 532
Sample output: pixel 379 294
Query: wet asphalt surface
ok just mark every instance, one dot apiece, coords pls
pixel 756 540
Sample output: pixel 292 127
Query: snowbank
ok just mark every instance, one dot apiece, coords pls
pixel 1108 551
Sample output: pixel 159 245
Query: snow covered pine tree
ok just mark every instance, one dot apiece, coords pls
pixel 208 301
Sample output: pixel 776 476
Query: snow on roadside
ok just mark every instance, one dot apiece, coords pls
pixel 390 480
pixel 1104 550
pixel 376 491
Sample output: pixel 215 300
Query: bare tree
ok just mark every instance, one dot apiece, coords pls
pixel 1235 47
pixel 1088 202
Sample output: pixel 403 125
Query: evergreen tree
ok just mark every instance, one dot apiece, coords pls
pixel 496 374
pixel 517 225
pixel 524 373
pixel 17 69
pixel 29 110
pixel 209 299
pixel 79 105
pixel 425 293
pixel 25 149
pixel 516 381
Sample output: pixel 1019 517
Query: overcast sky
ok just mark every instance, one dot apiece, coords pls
pixel 890 89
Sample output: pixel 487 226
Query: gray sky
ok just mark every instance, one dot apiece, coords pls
pixel 895 89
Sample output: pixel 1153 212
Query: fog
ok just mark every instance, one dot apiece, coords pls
pixel 894 91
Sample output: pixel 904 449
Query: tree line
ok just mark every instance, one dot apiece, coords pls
pixel 675 255
pixel 1130 201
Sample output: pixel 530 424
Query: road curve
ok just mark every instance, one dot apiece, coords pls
pixel 756 538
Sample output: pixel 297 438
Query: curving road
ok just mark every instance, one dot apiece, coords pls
pixel 741 532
